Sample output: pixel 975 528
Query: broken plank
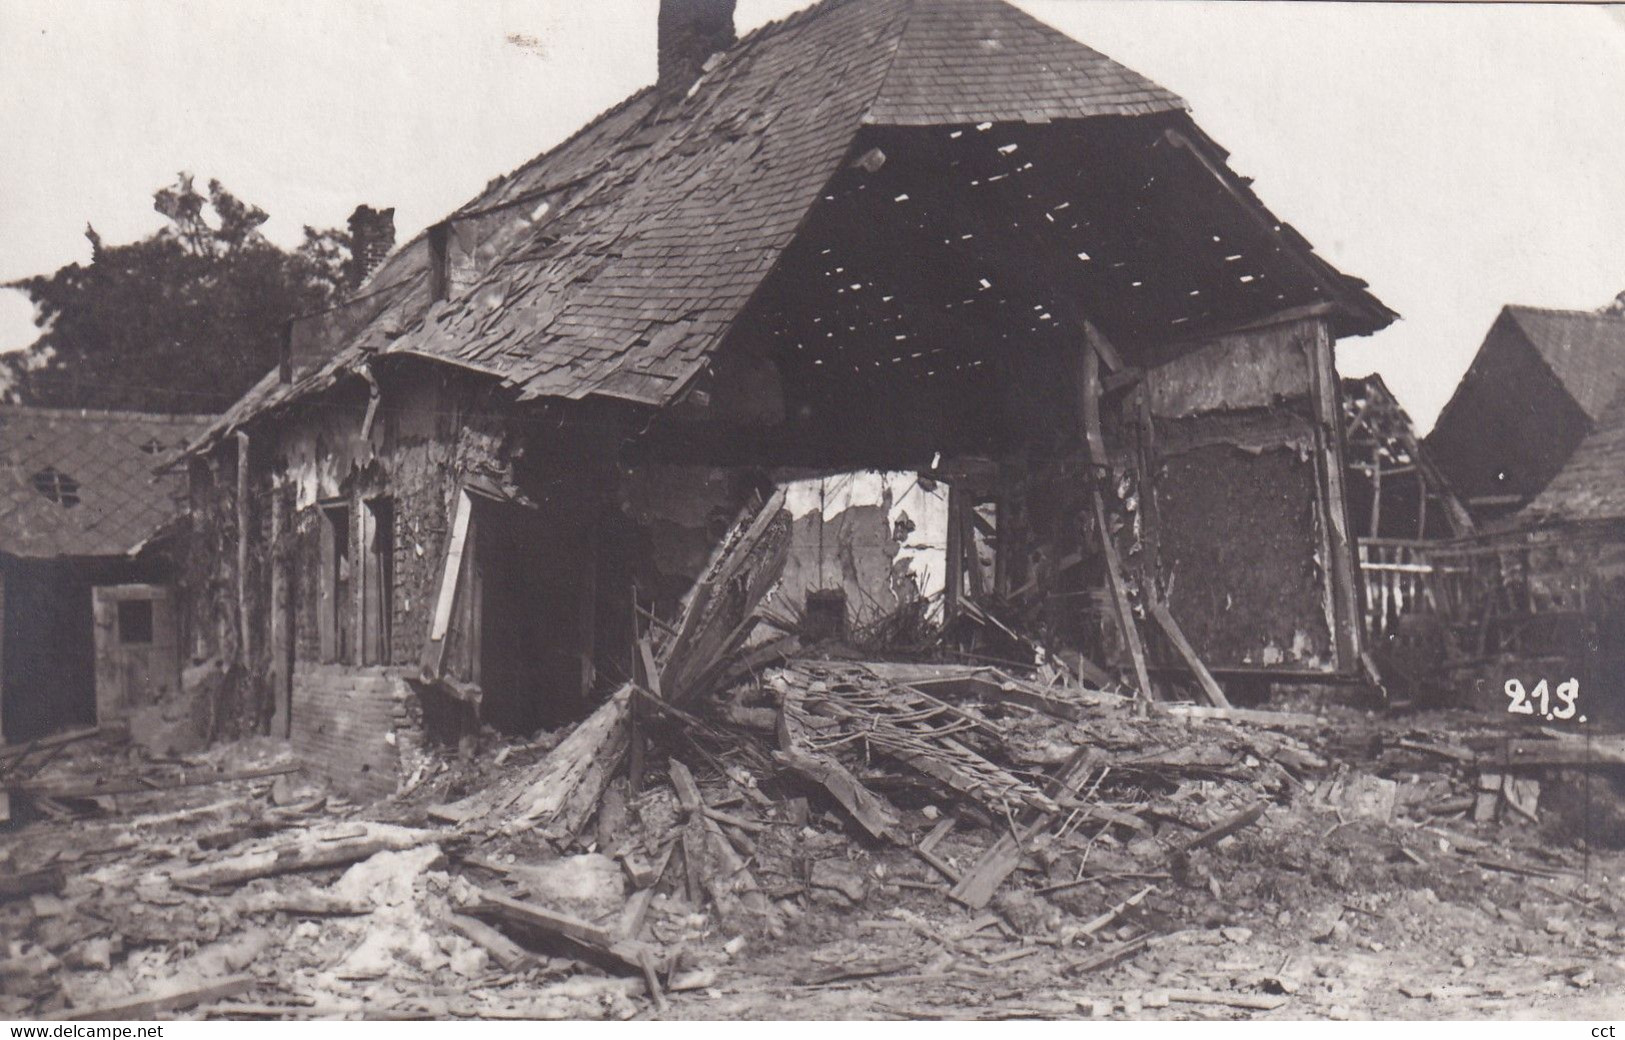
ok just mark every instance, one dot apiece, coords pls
pixel 1225 828
pixel 627 955
pixel 976 888
pixel 1111 956
pixel 12 752
pixel 652 980
pixel 33 882
pixel 1011 955
pixel 310 853
pixel 553 922
pixel 938 833
pixel 1250 1001
pixel 503 950
pixel 926 849
pixel 173 999
pixel 1450 751
pixel 1104 348
pixel 840 972
pixel 1595 752
pixel 1524 869
pixel 143 786
pixel 682 783
pixel 748 826
pixel 565 777
pixel 1117 911
pixel 938 864
pixel 1119 597
pixel 873 813
pixel 1193 661
pixel 637 907
pixel 1268 719
pixel 1114 568
pixel 434 650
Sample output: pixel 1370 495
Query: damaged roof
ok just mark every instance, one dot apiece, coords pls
pixel 1585 351
pixel 82 483
pixel 615 264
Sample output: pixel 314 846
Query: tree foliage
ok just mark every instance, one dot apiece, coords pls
pixel 185 320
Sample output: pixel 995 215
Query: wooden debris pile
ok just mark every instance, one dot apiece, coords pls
pixel 1035 763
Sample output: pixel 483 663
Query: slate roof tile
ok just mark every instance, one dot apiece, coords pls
pixel 1591 485
pixel 1584 349
pixel 665 212
pixel 109 498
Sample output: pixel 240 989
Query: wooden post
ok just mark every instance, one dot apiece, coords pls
pixel 1344 601
pixel 1114 572
pixel 3 654
pixel 587 615
pixel 243 634
pixel 281 642
pixel 954 576
pixel 434 654
pixel 1376 490
pixel 650 674
pixel 1421 503
pixel 1193 661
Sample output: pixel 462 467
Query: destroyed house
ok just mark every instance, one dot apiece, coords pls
pixel 1395 490
pixel 1400 503
pixel 892 235
pixel 1536 388
pixel 88 627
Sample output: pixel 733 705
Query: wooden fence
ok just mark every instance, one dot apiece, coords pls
pixel 1494 591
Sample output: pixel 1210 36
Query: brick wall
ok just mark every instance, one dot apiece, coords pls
pixel 348 722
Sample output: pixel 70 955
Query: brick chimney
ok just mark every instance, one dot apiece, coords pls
pixel 690 32
pixel 372 236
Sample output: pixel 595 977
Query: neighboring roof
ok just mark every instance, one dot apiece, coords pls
pixel 1584 349
pixel 1591 485
pixel 614 264
pixel 82 483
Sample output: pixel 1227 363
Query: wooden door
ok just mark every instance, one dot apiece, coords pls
pixel 137 660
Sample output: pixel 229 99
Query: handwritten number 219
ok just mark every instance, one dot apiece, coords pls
pixel 1523 701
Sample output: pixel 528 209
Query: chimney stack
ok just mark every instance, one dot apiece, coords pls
pixel 372 236
pixel 690 32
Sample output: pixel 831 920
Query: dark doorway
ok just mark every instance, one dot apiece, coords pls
pixel 378 580
pixel 338 609
pixel 49 681
pixel 528 588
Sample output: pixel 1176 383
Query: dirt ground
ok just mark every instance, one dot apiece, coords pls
pixel 1314 911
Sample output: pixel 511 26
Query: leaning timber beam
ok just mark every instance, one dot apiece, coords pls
pixel 1090 387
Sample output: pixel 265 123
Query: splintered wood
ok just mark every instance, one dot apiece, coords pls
pixel 828 708
pixel 562 791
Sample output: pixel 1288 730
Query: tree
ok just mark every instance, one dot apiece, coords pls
pixel 184 320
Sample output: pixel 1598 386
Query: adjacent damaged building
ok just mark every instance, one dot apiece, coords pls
pixel 1537 387
pixel 89 631
pixel 1091 375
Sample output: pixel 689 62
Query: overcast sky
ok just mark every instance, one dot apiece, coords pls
pixel 1457 157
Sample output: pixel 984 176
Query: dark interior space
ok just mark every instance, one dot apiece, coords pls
pixel 528 588
pixel 49 654
pixel 340 621
pixel 1019 237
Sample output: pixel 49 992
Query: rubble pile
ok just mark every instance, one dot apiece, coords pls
pixel 748 821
